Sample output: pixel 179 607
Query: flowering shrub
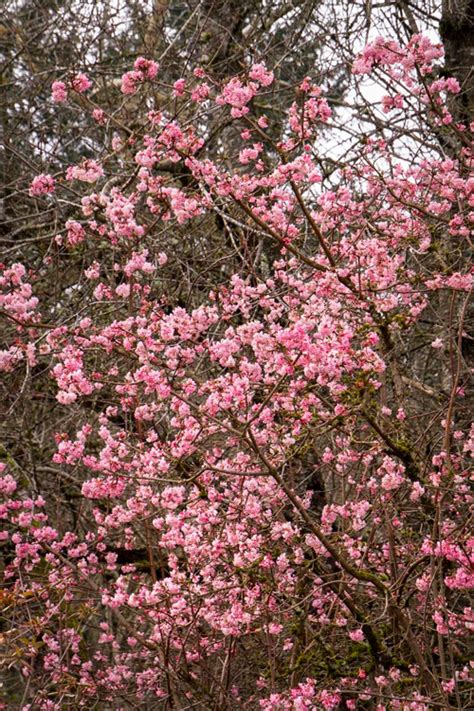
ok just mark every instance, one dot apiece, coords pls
pixel 272 492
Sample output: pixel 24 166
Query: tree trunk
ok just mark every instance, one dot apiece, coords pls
pixel 457 33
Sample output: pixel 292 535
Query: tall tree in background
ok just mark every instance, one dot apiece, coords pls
pixel 457 32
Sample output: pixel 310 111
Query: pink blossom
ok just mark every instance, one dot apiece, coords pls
pixel 237 95
pixel 258 72
pixel 147 67
pixel 75 232
pixel 129 82
pixel 178 87
pixel 80 83
pixel 123 290
pixel 42 185
pixel 7 485
pixel 92 272
pixel 200 93
pixel 88 171
pixel 59 92
pixel 143 69
pixel 99 116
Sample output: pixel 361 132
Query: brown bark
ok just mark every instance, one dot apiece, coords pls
pixel 457 33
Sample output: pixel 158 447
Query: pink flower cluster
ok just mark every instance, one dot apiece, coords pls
pixel 302 119
pixel 143 70
pixel 16 294
pixel 80 83
pixel 238 94
pixel 88 171
pixel 419 52
pixel 42 184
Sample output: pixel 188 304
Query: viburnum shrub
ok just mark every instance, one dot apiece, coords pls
pixel 269 489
